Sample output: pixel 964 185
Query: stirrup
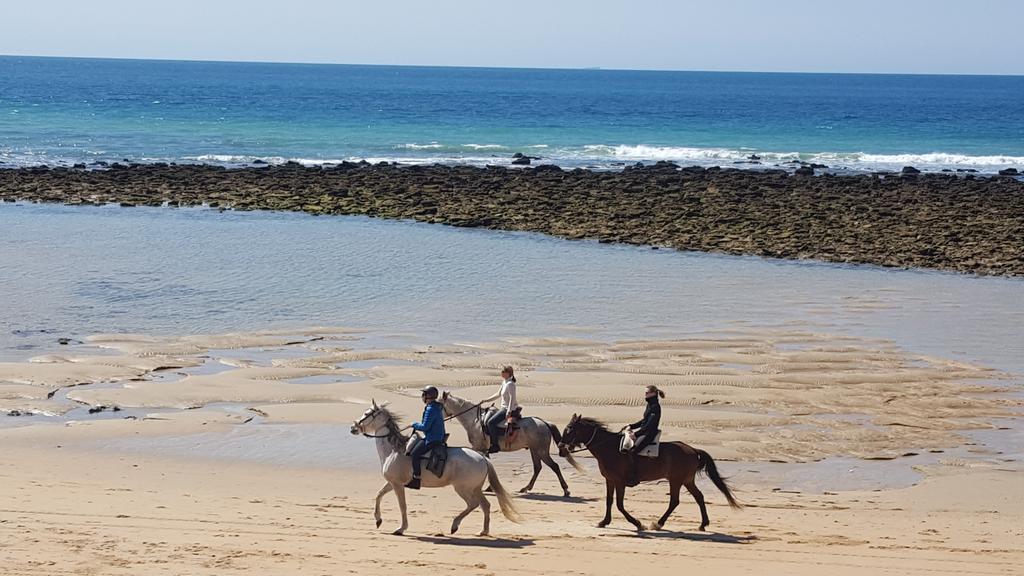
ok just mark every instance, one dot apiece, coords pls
pixel 413 484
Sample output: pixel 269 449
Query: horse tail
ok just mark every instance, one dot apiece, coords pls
pixel 557 437
pixel 707 466
pixel 504 499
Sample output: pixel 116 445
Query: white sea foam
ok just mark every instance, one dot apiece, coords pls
pixel 595 156
pixel 485 146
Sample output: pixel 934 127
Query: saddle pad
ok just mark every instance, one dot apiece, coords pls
pixel 650 451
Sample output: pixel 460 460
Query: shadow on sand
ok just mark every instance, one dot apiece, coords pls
pixel 482 542
pixel 691 536
pixel 554 498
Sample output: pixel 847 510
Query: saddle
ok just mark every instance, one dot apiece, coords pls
pixel 436 458
pixel 649 451
pixel 511 424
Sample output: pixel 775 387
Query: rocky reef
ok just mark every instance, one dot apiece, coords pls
pixel 955 222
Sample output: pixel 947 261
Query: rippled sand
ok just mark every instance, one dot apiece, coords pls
pixel 231 453
pixel 752 395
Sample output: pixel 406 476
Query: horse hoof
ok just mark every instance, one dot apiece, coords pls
pixel 603 524
pixel 702 527
pixel 566 494
pixel 524 490
pixel 379 522
pixel 398 532
pixel 455 529
pixel 484 534
pixel 655 526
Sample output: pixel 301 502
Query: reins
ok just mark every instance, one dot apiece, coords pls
pixel 409 427
pixel 453 416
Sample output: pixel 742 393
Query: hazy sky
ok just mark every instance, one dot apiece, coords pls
pixel 926 36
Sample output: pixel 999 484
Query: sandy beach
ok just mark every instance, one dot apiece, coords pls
pixel 232 453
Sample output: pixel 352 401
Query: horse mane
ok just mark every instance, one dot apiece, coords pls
pixel 395 436
pixel 595 423
pixel 463 405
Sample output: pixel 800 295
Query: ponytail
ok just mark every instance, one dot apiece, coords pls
pixel 655 389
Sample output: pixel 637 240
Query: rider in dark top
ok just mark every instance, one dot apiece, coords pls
pixel 646 430
pixel 432 428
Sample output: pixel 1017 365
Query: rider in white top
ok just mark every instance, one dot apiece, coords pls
pixel 507 393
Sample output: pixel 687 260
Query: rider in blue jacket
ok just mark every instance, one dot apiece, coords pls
pixel 432 428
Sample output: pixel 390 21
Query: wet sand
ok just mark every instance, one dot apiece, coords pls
pixel 232 453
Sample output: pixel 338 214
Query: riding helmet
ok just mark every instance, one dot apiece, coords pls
pixel 430 392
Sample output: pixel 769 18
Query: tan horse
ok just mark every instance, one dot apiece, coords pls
pixel 466 471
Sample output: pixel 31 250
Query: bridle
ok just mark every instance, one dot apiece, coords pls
pixel 373 413
pixel 585 445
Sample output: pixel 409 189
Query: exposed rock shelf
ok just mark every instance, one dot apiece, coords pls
pixel 940 221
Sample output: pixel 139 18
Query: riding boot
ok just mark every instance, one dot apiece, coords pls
pixel 495 448
pixel 634 473
pixel 413 484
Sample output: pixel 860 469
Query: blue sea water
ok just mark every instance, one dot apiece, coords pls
pixel 59 111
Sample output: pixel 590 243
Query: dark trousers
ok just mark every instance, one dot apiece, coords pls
pixel 417 454
pixel 644 442
pixel 492 425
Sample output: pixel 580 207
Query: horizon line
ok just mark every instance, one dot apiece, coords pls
pixel 458 66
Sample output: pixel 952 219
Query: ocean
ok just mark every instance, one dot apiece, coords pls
pixel 62 111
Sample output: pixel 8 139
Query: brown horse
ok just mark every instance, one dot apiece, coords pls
pixel 677 462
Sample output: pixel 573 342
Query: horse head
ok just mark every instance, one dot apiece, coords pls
pixel 373 419
pixel 570 436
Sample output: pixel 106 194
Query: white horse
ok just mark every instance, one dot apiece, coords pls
pixel 534 434
pixel 466 471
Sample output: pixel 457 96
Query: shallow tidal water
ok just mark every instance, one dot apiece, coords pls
pixel 69 272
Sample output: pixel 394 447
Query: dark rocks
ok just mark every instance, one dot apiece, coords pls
pixel 1009 172
pixel 968 170
pixel 259 162
pixel 909 170
pixel 964 223
pixel 520 159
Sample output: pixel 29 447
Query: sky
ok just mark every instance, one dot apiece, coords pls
pixel 880 36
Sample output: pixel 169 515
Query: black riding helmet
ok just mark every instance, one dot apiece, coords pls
pixel 430 392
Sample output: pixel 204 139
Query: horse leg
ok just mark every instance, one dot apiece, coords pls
pixel 558 472
pixel 692 487
pixel 472 498
pixel 673 501
pixel 620 493
pixel 486 507
pixel 376 505
pixel 536 471
pixel 607 504
pixel 400 495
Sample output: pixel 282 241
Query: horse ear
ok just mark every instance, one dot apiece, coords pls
pixel 444 395
pixel 373 402
pixel 385 404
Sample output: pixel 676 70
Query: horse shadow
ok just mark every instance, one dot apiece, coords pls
pixel 716 537
pixel 482 542
pixel 555 498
